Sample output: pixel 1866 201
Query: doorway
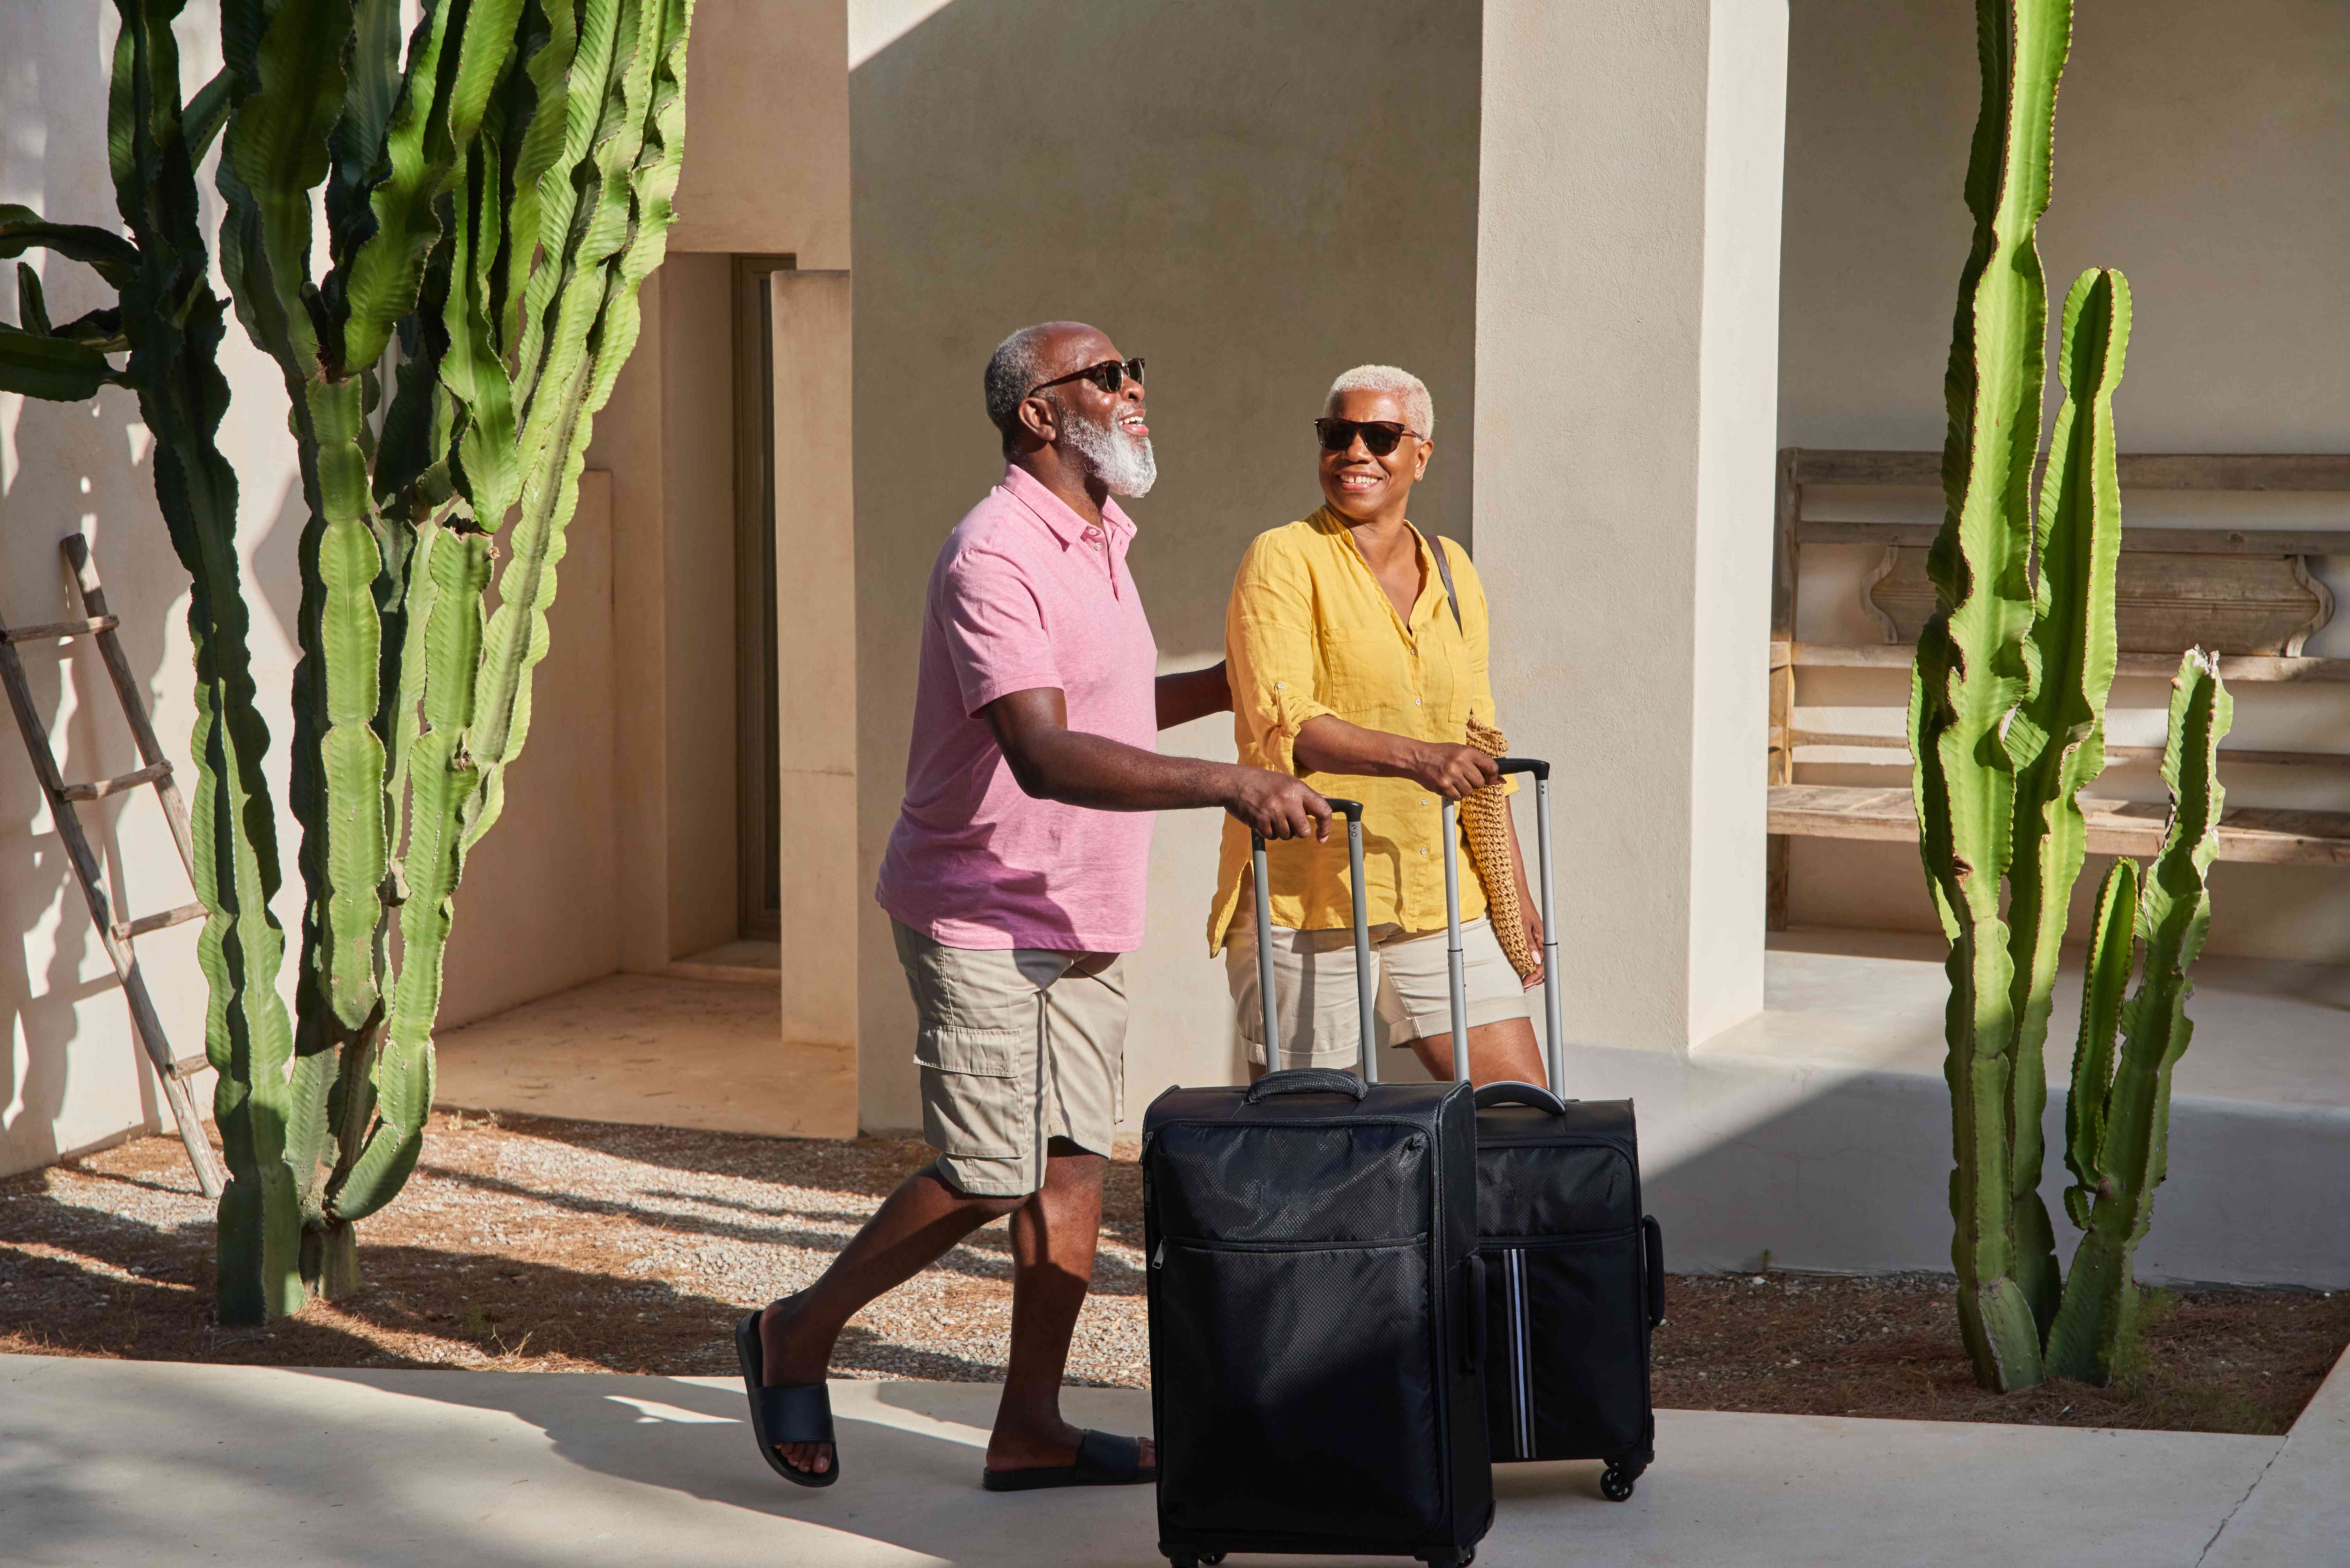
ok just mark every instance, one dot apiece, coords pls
pixel 758 698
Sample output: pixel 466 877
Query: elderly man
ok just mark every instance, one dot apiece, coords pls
pixel 1015 879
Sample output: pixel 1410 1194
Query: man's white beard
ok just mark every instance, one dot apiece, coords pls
pixel 1124 463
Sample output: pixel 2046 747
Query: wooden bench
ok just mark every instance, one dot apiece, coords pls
pixel 2246 593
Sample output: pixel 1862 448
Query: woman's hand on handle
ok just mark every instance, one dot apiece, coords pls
pixel 1453 772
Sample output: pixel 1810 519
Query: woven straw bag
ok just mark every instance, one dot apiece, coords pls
pixel 1485 823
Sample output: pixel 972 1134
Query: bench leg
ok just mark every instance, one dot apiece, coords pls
pixel 1775 883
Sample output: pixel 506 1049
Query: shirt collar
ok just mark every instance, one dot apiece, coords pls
pixel 1058 515
pixel 1431 583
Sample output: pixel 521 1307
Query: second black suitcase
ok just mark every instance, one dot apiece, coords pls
pixel 1574 1274
pixel 1316 1303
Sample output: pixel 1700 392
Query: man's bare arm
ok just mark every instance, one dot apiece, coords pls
pixel 1193 694
pixel 1053 762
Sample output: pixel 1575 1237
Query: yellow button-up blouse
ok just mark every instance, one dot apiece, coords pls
pixel 1310 631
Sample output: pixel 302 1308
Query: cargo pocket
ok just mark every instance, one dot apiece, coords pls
pixel 974 1102
pixel 1309 1378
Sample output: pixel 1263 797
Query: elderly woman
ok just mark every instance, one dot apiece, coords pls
pixel 1354 668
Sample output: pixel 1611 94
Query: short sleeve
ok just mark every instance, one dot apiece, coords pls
pixel 994 630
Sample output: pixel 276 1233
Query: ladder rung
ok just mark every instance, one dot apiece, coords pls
pixel 127 929
pixel 188 1066
pixel 49 629
pixel 101 788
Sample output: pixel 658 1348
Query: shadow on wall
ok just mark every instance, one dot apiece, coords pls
pixel 1254 198
pixel 69 1065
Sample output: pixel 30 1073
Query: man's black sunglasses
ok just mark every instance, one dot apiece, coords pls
pixel 1379 436
pixel 1109 376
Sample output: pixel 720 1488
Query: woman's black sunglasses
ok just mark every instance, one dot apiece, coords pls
pixel 1379 436
pixel 1109 376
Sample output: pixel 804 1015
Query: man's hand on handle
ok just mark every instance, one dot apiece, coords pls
pixel 1277 806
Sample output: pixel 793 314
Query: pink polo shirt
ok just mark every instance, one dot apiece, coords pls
pixel 1024 595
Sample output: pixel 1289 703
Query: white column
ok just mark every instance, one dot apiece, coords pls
pixel 1628 301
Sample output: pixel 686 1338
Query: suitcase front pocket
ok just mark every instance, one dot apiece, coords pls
pixel 1310 1388
pixel 1569 1373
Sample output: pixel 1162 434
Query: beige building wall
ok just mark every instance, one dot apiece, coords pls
pixel 2201 151
pixel 1255 198
pixel 1625 286
pixel 766 172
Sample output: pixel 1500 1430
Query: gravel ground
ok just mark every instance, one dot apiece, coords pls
pixel 541 1245
pixel 545 1244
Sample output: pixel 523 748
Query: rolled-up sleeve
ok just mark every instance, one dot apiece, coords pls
pixel 1269 653
pixel 995 631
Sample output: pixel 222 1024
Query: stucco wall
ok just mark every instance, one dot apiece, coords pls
pixel 1255 197
pixel 2199 149
pixel 1626 280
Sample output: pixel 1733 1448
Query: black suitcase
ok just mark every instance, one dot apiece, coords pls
pixel 1574 1274
pixel 1316 1306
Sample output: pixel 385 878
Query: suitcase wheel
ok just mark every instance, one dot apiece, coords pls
pixel 1184 1557
pixel 1460 1559
pixel 1617 1481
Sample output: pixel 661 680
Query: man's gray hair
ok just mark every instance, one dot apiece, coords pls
pixel 1016 365
pixel 1419 408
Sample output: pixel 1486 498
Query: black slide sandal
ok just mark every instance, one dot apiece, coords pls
pixel 801 1413
pixel 1102 1461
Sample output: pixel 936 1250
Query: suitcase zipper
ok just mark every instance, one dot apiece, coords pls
pixel 1372 1244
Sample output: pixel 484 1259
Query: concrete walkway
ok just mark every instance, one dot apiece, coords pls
pixel 111 1462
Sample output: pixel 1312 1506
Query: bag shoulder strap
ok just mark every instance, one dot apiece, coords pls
pixel 1444 571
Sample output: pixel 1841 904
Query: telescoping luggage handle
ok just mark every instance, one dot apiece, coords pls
pixel 1353 811
pixel 1554 1051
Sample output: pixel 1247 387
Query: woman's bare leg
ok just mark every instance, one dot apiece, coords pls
pixel 1503 1052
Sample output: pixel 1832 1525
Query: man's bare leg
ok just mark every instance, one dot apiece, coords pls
pixel 914 1227
pixel 1053 1239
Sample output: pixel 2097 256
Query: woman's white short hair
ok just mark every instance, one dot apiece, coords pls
pixel 1419 408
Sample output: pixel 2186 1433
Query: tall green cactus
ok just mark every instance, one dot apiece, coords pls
pixel 491 204
pixel 2008 694
pixel 1974 668
pixel 491 201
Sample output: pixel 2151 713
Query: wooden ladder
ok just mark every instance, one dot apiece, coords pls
pixel 117 935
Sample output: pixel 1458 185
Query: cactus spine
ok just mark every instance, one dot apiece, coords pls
pixel 2007 696
pixel 492 202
